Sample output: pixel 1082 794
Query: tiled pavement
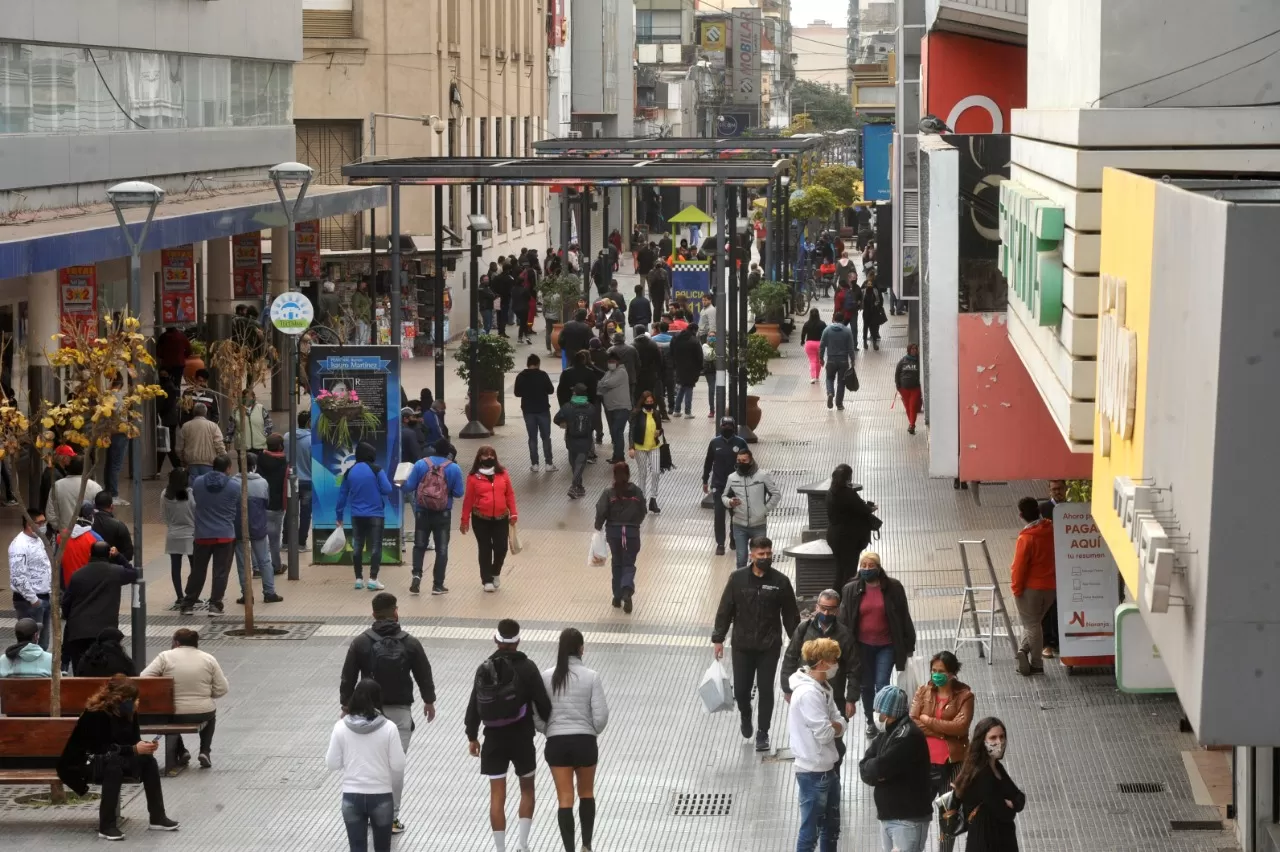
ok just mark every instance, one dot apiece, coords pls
pixel 1072 740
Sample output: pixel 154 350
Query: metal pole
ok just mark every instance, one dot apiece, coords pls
pixel 138 620
pixel 395 268
pixel 770 235
pixel 743 340
pixel 474 428
pixel 722 307
pixel 736 321
pixel 438 332
pixel 786 235
pixel 291 381
pixel 584 232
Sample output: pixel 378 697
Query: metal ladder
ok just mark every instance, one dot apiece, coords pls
pixel 970 608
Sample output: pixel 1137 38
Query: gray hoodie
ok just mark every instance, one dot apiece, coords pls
pixel 614 389
pixel 837 345
pixel 757 492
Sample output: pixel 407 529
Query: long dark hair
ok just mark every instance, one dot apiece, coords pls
pixel 570 646
pixel 977 758
pixel 366 699
pixel 640 405
pixel 497 465
pixel 177 487
pixel 840 478
pixel 621 478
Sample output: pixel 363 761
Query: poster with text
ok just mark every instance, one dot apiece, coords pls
pixel 690 279
pixel 78 298
pixel 1087 590
pixel 306 255
pixel 178 286
pixel 355 398
pixel 246 265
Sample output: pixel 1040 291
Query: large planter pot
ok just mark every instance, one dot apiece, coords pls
pixel 193 364
pixel 770 332
pixel 555 337
pixel 753 412
pixel 490 409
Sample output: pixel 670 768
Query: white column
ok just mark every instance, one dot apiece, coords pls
pixel 279 261
pixel 43 317
pixel 218 286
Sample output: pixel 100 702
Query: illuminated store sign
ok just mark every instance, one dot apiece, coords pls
pixel 1117 365
pixel 1031 233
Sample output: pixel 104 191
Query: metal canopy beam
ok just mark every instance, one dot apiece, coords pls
pixel 683 146
pixel 563 171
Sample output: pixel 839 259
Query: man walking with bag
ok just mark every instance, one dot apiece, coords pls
pixel 836 349
pixel 435 481
pixel 395 660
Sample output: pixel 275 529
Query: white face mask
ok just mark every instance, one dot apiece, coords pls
pixel 487 471
pixel 995 749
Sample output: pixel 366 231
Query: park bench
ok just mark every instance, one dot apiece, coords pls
pixel 30 749
pixel 29 696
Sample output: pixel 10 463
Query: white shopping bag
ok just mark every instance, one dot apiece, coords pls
pixel 335 543
pixel 715 690
pixel 598 552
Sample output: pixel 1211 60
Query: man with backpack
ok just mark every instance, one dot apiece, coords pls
pixel 577 419
pixel 395 660
pixel 506 684
pixel 435 481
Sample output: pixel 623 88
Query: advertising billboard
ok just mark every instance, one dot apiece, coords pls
pixel 876 139
pixel 743 65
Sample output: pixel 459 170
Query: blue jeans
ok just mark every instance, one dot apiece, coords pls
pixel 366 530
pixel 877 668
pixel 39 612
pixel 486 317
pixel 198 470
pixel 741 537
pixel 275 529
pixel 624 546
pixel 362 811
pixel 261 554
pixel 539 424
pixel 618 432
pixel 684 399
pixel 819 810
pixel 115 461
pixel 304 512
pixel 903 835
pixel 431 525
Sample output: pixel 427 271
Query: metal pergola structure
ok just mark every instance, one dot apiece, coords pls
pixel 580 174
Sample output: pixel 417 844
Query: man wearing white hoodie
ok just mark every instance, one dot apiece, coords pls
pixel 814 724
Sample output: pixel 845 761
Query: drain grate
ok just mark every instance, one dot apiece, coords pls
pixel 701 804
pixel 264 630
pixel 1140 786
pixel 1195 825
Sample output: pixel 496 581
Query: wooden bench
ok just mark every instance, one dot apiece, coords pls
pixel 30 749
pixel 29 696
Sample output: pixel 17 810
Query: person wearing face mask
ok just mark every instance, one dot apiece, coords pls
pixel 647 439
pixel 874 609
pixel 815 728
pixel 722 454
pixel 749 495
pixel 615 393
pixel 823 624
pixel 989 798
pixel 760 603
pixel 850 522
pixel 489 505
pixel 576 419
pixel 619 512
pixel 943 710
pixel 896 764
pixel 106 747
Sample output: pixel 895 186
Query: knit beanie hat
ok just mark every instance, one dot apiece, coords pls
pixel 892 702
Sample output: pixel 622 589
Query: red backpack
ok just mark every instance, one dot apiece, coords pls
pixel 433 489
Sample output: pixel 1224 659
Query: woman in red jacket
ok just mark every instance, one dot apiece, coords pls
pixel 489 505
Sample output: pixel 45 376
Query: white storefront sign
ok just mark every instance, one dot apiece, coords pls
pixel 1139 666
pixel 1117 365
pixel 1087 587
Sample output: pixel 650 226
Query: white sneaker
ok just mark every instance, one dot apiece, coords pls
pixel 534 468
pixel 489 587
pixel 374 586
pixel 813 381
pixel 120 501
pixel 497 582
pixel 551 468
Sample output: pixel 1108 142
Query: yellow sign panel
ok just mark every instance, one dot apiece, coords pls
pixel 713 35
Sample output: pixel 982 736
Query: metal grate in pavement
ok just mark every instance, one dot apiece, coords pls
pixel 701 804
pixel 1140 787
pixel 265 630
pixel 1195 825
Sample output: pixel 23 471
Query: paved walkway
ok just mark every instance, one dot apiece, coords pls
pixel 1072 740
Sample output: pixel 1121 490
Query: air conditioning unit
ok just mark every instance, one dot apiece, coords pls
pixel 575 134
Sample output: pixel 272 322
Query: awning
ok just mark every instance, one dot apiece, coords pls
pixel 47 244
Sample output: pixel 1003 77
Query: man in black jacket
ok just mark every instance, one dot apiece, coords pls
pixel 602 272
pixel 394 659
pixel 508 690
pixel 575 336
pixel 503 285
pixel 760 603
pixel 722 455
pixel 896 764
pixel 686 355
pixel 91 602
pixel 580 372
pixel 533 386
pixel 824 624
pixel 110 529
pixel 659 280
pixel 641 310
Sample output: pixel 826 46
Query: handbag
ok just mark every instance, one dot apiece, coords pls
pixel 951 820
pixel 513 540
pixel 851 382
pixel 664 458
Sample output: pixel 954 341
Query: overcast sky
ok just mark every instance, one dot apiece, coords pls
pixel 804 12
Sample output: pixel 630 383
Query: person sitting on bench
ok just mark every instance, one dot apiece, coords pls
pixel 197 681
pixel 105 748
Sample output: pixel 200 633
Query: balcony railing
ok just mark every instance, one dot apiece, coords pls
pixel 659 35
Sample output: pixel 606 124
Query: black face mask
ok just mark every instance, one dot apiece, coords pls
pixel 648 406
pixel 744 469
pixel 764 564
pixel 486 462
pixel 728 432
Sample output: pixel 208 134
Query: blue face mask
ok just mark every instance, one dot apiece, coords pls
pixel 126 707
pixel 824 620
pixel 868 575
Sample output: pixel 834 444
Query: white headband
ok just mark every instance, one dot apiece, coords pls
pixel 506 640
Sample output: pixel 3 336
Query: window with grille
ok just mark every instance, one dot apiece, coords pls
pixel 486 24
pixel 328 19
pixel 327 146
pixel 454 26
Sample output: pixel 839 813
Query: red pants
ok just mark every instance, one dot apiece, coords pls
pixel 911 402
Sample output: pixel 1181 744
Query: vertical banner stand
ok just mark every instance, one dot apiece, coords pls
pixel 970 608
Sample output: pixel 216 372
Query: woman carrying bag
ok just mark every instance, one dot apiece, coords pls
pixel 647 439
pixel 989 800
pixel 489 505
pixel 873 315
pixel 943 710
pixel 619 512
pixel 850 522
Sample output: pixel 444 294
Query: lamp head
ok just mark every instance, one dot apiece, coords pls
pixel 135 193
pixel 786 180
pixel 479 223
pixel 290 173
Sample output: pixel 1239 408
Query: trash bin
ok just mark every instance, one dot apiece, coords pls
pixel 815 568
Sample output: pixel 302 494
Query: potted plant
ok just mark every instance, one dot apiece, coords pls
pixel 344 419
pixel 560 295
pixel 495 357
pixel 769 305
pixel 758 352
pixel 199 352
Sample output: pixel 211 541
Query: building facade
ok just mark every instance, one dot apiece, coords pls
pixel 822 55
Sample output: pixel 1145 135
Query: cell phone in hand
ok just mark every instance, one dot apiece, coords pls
pixel 155 740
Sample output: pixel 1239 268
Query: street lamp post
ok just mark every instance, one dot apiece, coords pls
pixel 478 224
pixel 785 258
pixel 292 174
pixel 136 193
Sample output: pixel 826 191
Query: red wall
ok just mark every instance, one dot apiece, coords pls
pixel 1006 432
pixel 954 67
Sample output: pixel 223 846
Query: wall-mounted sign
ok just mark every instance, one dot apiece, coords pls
pixel 1031 232
pixel 246 265
pixel 178 287
pixel 1139 666
pixel 78 299
pixel 307 253
pixel 1117 365
pixel 292 313
pixel 1087 591
pixel 713 34
pixel 743 67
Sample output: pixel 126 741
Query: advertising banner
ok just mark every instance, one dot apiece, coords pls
pixel 306 256
pixel 713 34
pixel 744 68
pixel 178 290
pixel 355 392
pixel 1087 588
pixel 246 265
pixel 78 298
pixel 691 278
pixel 875 161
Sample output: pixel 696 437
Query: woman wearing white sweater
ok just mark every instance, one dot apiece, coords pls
pixel 814 724
pixel 578 715
pixel 366 747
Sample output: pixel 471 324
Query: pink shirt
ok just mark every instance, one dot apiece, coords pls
pixel 873 623
pixel 939 753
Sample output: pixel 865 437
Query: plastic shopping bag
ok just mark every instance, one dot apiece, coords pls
pixel 715 690
pixel 598 552
pixel 335 543
pixel 513 540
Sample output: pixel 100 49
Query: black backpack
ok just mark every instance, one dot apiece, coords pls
pixel 388 658
pixel 579 423
pixel 498 690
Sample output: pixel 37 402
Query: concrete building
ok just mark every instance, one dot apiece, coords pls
pixel 194 97
pixel 822 55
pixel 666 70
pixel 769 106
